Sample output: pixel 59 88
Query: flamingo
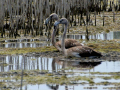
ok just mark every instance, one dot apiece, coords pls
pixel 52 16
pixel 68 42
pixel 77 51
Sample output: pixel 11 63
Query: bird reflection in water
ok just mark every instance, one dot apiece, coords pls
pixel 79 65
pixel 58 65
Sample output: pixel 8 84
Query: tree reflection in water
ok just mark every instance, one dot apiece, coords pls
pixel 77 64
pixel 35 62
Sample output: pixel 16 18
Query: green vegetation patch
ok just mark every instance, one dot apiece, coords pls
pixel 2 84
pixel 103 73
pixel 104 45
pixel 41 77
pixel 11 51
pixel 44 77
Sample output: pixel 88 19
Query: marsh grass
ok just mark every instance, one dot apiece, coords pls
pixel 12 51
pixel 99 45
pixel 104 45
pixel 41 79
pixel 109 24
pixel 34 77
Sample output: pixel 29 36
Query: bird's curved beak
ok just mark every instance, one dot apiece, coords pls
pixel 46 21
pixel 56 23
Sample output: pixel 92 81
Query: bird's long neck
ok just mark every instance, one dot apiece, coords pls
pixel 48 19
pixel 63 39
pixel 53 38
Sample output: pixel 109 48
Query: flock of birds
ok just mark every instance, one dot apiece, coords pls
pixel 70 47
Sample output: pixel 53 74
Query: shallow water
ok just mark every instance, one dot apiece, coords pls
pixel 36 62
pixel 103 36
pixel 31 62
pixel 22 43
pixel 68 87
